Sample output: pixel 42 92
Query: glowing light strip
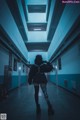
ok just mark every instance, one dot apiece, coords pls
pixel 37 29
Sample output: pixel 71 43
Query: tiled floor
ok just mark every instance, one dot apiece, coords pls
pixel 20 104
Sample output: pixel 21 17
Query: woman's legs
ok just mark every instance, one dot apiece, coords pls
pixel 38 110
pixel 36 88
pixel 44 89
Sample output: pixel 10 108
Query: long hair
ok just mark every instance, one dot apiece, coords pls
pixel 38 59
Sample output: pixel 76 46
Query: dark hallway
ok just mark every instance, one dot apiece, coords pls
pixel 21 105
pixel 50 29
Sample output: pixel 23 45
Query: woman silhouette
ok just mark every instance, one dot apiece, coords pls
pixel 38 78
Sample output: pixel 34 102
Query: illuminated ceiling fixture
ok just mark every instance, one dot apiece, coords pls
pixel 37 29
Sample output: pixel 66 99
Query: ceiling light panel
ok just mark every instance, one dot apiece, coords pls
pixel 36 2
pixel 36 8
pixel 37 36
pixel 37 26
pixel 37 17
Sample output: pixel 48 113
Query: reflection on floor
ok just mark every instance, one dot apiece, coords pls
pixel 20 104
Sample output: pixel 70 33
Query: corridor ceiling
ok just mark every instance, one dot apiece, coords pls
pixel 40 27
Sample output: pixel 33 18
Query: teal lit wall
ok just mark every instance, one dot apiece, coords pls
pixel 67 20
pixel 16 80
pixel 69 75
pixel 8 23
pixel 3 54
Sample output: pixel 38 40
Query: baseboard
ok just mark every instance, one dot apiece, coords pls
pixel 66 90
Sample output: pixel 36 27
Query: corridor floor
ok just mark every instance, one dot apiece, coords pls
pixel 20 104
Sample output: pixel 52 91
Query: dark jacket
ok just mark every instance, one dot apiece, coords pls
pixel 35 76
pixel 37 72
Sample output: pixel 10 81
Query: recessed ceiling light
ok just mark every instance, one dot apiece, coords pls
pixel 37 29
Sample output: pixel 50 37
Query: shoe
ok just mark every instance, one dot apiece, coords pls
pixel 50 110
pixel 38 109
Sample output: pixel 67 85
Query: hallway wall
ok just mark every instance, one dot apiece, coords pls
pixel 19 76
pixel 64 26
pixel 8 24
pixel 12 71
pixel 69 75
pixel 3 54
